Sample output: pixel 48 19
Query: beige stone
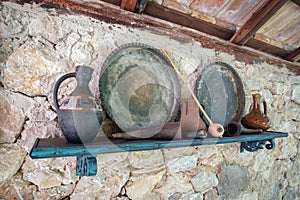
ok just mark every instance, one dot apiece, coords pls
pixel 14 109
pixel 292 171
pixel 152 196
pixel 38 130
pixel 287 147
pixel 18 188
pixel 196 196
pixel 204 180
pixel 111 176
pixel 182 164
pixel 231 153
pixel 146 159
pixel 248 196
pixel 175 183
pixel 11 121
pixel 22 74
pixel 88 188
pixel 105 185
pixel 11 159
pixel 210 155
pixel 111 160
pixel 58 192
pixel 260 158
pixel 170 154
pixel 44 178
pixel 50 172
pixel 212 194
pixel 138 172
pixel 140 186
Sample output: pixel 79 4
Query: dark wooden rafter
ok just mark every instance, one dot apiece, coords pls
pixel 296 2
pixel 256 21
pixel 293 55
pixel 171 15
pixel 115 2
pixel 265 47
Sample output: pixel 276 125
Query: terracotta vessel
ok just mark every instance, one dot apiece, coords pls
pixel 255 119
pixel 79 116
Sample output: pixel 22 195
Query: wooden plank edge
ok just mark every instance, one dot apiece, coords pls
pixel 168 14
pixel 293 55
pixel 296 2
pixel 95 149
pixel 256 21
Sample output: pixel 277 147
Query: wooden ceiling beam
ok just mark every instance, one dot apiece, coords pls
pixel 256 21
pixel 296 2
pixel 171 15
pixel 293 55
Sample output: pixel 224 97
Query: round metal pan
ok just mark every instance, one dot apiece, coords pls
pixel 138 87
pixel 220 90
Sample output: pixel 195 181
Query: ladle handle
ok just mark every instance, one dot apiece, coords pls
pixel 188 86
pixel 56 87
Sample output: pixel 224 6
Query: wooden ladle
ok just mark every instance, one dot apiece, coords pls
pixel 214 129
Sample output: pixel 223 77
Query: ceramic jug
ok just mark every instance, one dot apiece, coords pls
pixel 79 116
pixel 256 119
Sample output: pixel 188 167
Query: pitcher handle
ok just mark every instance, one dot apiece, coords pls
pixel 56 87
pixel 265 107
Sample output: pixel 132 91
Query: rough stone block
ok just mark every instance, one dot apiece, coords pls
pixel 138 187
pixel 175 183
pixel 205 180
pixel 11 159
pixel 14 109
pixel 146 159
pixel 296 94
pixel 182 164
pixel 233 179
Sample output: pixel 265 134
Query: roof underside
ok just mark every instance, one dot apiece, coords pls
pixel 271 26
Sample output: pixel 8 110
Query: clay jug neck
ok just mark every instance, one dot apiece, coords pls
pixel 256 102
pixel 83 77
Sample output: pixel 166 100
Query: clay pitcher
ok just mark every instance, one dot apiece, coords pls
pixel 255 119
pixel 79 116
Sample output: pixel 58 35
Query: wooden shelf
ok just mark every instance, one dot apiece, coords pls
pixel 58 147
pixel 87 164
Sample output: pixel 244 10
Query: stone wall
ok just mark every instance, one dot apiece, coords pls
pixel 38 46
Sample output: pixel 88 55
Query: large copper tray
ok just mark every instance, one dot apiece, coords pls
pixel 138 87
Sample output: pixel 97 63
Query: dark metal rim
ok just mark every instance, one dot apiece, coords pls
pixel 239 86
pixel 161 56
